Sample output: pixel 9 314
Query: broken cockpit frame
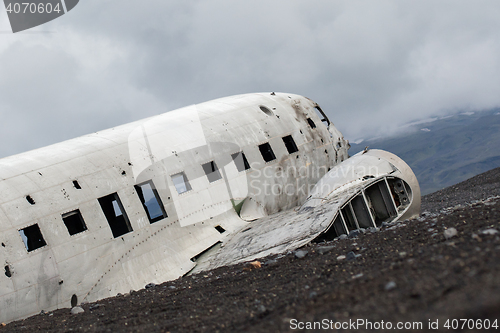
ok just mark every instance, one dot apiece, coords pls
pixel 381 201
pixel 370 188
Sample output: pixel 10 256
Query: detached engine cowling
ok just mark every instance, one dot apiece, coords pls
pixel 372 187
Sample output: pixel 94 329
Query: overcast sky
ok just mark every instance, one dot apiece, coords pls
pixel 371 65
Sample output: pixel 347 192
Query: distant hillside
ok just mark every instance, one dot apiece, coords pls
pixel 446 151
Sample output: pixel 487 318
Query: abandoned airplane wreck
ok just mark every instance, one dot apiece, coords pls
pixel 208 185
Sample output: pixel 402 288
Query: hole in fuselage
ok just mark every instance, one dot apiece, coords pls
pixel 7 271
pixel 266 110
pixel 311 123
pixel 74 301
pixel 30 200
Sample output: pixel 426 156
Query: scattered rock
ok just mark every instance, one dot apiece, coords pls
pixel 172 287
pixel 271 262
pixel 261 309
pixel 341 257
pixel 313 294
pixel 357 276
pixel 490 231
pixel 76 310
pixel 402 254
pixel 390 285
pixel 94 307
pixel 450 233
pixel 351 256
pixel 300 254
pixel 343 236
pixel 355 233
pixel 255 264
pixel 324 249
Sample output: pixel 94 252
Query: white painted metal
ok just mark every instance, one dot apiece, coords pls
pixel 92 264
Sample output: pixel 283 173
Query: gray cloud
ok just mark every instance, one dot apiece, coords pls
pixel 372 66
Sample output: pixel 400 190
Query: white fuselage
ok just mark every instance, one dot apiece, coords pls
pixel 112 211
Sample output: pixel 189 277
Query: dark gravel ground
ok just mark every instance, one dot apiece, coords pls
pixel 479 187
pixel 407 272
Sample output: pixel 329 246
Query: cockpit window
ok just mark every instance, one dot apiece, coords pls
pixel 322 115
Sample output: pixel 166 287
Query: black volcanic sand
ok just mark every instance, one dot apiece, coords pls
pixel 479 187
pixel 406 272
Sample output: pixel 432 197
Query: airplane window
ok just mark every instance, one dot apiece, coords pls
pixel 115 214
pixel 267 152
pixel 151 201
pixel 220 229
pixel 32 237
pixel 74 222
pixel 311 123
pixel 322 115
pixel 241 162
pixel 290 144
pixel 211 171
pixel 181 182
